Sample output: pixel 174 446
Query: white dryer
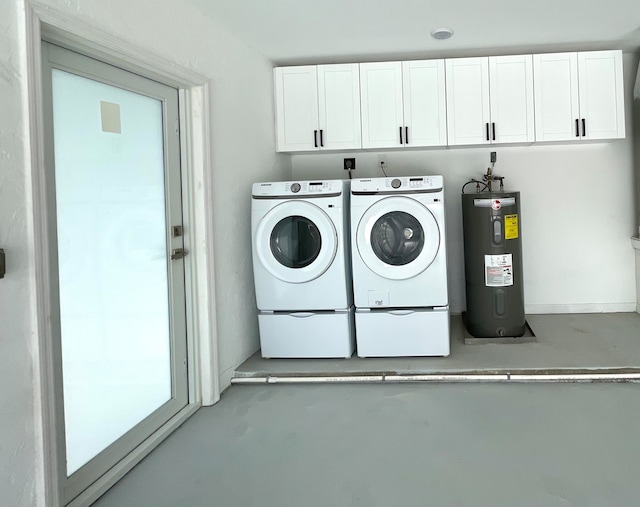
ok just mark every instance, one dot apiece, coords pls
pixel 301 266
pixel 399 259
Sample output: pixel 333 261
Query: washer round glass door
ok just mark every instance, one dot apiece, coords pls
pixel 398 238
pixel 296 241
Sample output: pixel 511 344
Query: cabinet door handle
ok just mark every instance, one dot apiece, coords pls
pixel 487 131
pixel 406 135
pixel 584 127
pixel 493 127
pixel 315 138
pixel 400 129
pixel 321 140
pixel 577 128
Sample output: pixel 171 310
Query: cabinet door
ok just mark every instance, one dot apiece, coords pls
pixel 296 90
pixel 601 94
pixel 555 79
pixel 468 100
pixel 381 99
pixel 425 114
pixel 511 99
pixel 339 106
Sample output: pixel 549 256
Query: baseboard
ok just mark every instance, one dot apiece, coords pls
pixel 225 378
pixel 583 308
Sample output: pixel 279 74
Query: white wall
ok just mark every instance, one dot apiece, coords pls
pixel 19 476
pixel 577 205
pixel 636 134
pixel 243 152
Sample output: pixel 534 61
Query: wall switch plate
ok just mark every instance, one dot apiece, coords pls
pixel 494 156
pixel 349 164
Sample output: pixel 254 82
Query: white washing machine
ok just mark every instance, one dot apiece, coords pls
pixel 399 259
pixel 301 267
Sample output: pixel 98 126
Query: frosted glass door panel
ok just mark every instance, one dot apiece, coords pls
pixel 112 255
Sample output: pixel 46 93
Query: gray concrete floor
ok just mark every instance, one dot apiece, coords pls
pixel 604 341
pixel 442 445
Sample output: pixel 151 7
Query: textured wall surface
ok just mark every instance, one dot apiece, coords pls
pixel 19 462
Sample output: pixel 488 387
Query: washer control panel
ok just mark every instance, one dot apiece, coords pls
pixel 405 184
pixel 298 188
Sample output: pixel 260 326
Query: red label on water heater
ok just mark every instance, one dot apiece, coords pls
pixel 495 204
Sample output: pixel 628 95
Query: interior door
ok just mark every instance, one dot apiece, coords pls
pixel 115 230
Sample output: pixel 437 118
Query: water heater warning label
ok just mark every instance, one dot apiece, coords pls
pixel 498 270
pixel 511 226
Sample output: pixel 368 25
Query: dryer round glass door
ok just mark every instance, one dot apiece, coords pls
pixel 398 238
pixel 296 241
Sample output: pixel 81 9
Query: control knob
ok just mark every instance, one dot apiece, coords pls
pixel 395 183
pixel 295 187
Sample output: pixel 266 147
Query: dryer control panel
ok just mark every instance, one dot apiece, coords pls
pixel 402 185
pixel 292 189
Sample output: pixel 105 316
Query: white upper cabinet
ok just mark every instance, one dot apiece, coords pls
pixel 424 104
pixel 511 99
pixel 485 100
pixel 318 107
pixel 579 96
pixel 403 104
pixel 601 93
pixel 339 106
pixel 468 101
pixel 490 100
pixel 381 104
pixel 296 90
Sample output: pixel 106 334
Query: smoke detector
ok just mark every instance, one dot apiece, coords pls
pixel 441 33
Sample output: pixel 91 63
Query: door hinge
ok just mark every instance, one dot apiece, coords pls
pixel 178 253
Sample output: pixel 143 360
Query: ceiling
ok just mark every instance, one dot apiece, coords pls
pixel 333 31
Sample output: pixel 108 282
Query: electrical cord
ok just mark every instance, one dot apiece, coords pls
pixel 383 171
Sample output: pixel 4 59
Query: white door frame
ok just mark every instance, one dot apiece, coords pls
pixel 43 22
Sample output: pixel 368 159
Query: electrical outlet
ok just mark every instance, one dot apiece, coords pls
pixel 382 161
pixel 494 156
pixel 349 164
